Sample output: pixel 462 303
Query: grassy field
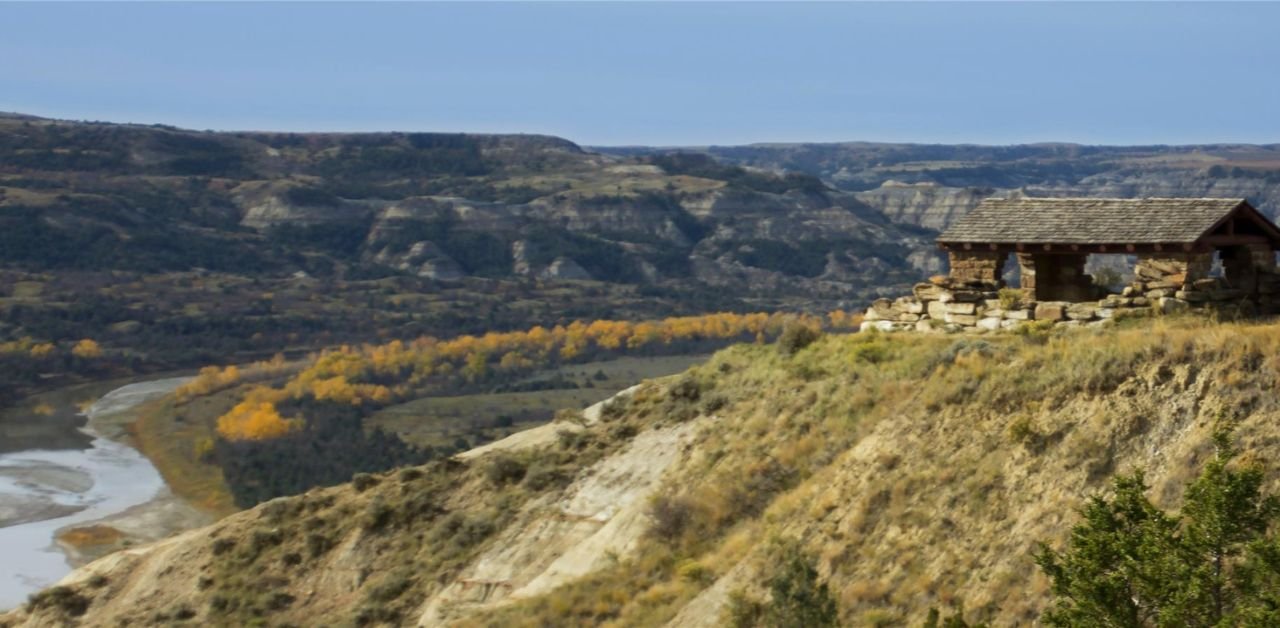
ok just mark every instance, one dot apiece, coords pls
pixel 168 434
pixel 488 416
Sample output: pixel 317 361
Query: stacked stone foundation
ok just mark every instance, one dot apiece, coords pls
pixel 972 299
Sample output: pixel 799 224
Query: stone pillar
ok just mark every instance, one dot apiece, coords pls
pixel 977 266
pixel 1027 262
pixel 1172 270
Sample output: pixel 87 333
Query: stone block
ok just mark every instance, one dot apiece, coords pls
pixel 908 305
pixel 1163 285
pixel 1170 305
pixel 1010 324
pixel 1051 311
pixel 937 310
pixel 1018 315
pixel 1159 294
pixel 989 324
pixel 992 304
pixel 872 315
pixel 1105 312
pixel 1205 284
pixel 908 318
pixel 1081 311
pixel 928 292
pixel 1192 296
pixel 1140 302
pixel 993 312
pixel 962 308
pixel 967 320
pixel 1130 291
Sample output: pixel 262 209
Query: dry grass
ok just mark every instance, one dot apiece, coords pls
pixel 90 536
pixel 922 469
pixel 167 434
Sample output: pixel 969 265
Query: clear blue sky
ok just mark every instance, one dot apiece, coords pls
pixel 661 74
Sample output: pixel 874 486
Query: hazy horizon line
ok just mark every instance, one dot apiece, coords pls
pixel 664 145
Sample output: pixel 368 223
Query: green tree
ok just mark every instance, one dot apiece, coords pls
pixel 798 598
pixel 1130 563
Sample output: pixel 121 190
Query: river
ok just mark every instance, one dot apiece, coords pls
pixel 43 491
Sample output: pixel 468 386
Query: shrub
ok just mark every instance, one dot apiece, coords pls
pixel 1107 278
pixel 1011 298
pixel 687 389
pixel 795 337
pixel 60 598
pixel 279 601
pixel 693 571
pixel 392 586
pixel 669 517
pixel 743 611
pixel 377 514
pixel 318 544
pixel 615 408
pixel 262 539
pixel 571 440
pixel 222 546
pixel 713 403
pixel 542 475
pixel 797 597
pixel 363 482
pixel 872 352
pixel 504 469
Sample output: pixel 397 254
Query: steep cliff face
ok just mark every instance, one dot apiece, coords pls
pixel 917 471
pixel 927 205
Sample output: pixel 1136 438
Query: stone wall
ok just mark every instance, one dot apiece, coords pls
pixel 1180 279
pixel 977 266
pixel 947 305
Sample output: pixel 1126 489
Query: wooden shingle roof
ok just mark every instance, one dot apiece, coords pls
pixel 1093 220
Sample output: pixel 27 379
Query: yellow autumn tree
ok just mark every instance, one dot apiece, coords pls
pixel 87 349
pixel 254 420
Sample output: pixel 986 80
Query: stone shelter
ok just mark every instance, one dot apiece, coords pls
pixel 1174 242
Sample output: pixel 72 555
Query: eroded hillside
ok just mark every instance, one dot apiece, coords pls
pixel 919 471
pixel 931 185
pixel 433 205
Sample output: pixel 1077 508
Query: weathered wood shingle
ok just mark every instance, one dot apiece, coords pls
pixel 1090 220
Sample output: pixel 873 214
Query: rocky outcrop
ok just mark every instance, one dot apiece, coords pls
pixel 925 204
pixel 268 204
pixel 564 268
pixel 424 259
